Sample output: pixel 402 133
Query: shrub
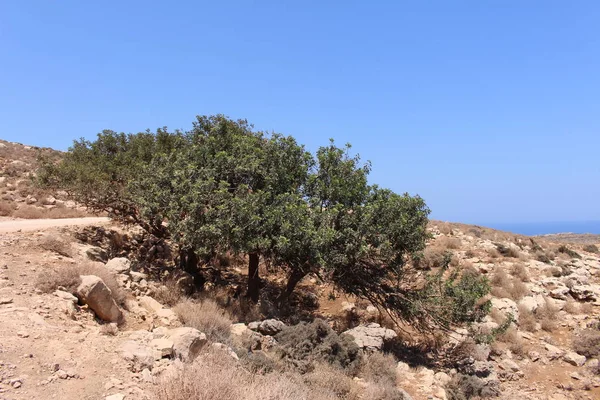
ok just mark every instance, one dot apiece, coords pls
pixel 379 368
pixel 543 257
pixel 109 329
pixel 464 387
pixel 470 254
pixel 334 379
pixel 431 258
pixel 547 315
pixel 168 293
pixel 591 248
pixel 507 251
pixel 207 317
pixel 446 242
pixel 513 340
pixel 29 212
pixel 300 346
pixel 6 209
pixel 527 319
pixel 506 287
pixel 565 250
pixel 520 271
pixel 215 376
pixel 57 245
pixel 588 343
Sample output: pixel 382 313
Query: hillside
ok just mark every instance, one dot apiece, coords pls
pixel 20 198
pixel 169 341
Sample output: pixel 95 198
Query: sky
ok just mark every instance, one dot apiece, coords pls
pixel 489 110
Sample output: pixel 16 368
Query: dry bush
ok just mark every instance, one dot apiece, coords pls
pixel 379 368
pixel 60 211
pixel 169 293
pixel 520 271
pixel 432 257
pixel 547 315
pixel 507 250
pixel 57 245
pixel 503 286
pixel 50 279
pixel 464 387
pixel 514 342
pixel 215 376
pixel 68 277
pixel 571 306
pixel 527 320
pixel 591 248
pixel 586 308
pixel 565 250
pixel 554 271
pixel 544 257
pixel 445 228
pixel 207 317
pixel 334 379
pixel 29 212
pixel 450 243
pixel 493 253
pixel 588 343
pixel 470 254
pixel 6 209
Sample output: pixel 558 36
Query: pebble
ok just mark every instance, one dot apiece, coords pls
pixel 6 300
pixel 23 334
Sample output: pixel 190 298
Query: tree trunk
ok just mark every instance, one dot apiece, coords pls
pixel 295 277
pixel 253 278
pixel 188 261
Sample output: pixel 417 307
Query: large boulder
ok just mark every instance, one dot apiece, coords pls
pixel 119 265
pixel 187 342
pixel 371 336
pixel 93 292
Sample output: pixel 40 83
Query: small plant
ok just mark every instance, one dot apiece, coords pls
pixel 547 316
pixel 591 248
pixel 507 251
pixel 527 320
pixel 465 387
pixel 206 316
pixel 543 257
pixel 565 250
pixel 520 271
pixel 588 343
pixel 57 245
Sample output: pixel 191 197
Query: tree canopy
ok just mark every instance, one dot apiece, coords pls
pixel 222 186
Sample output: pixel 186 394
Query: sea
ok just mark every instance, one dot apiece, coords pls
pixel 544 228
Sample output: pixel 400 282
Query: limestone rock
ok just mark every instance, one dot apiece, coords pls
pixel 93 292
pixel 164 347
pixel 138 355
pixel 574 359
pixel 119 265
pixel 96 254
pixel 371 336
pixel 239 329
pixel 271 327
pixel 187 342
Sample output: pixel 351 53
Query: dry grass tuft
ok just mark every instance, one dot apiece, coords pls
pixel 450 243
pixel 514 342
pixel 547 315
pixel 168 294
pixel 504 286
pixel 57 245
pixel 206 316
pixel 6 209
pixel 588 343
pixel 520 271
pixel 527 320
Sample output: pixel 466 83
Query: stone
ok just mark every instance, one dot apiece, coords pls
pixel 348 307
pixel 574 359
pixel 62 374
pixel 442 378
pixel 164 347
pixel 93 292
pixel 553 351
pixel 371 336
pixel 23 334
pixel 150 304
pixel 583 293
pixel 49 201
pixel 271 327
pixel 238 329
pixel 137 276
pixel 187 342
pixel 118 265
pixel 61 294
pixel 559 293
pixel 506 306
pixel 5 300
pixel 532 303
pixel 117 396
pixel 226 349
pixel 140 356
pixel 96 254
pixel 510 365
pixel 30 200
pixel 534 356
pixel 147 376
pixel 254 325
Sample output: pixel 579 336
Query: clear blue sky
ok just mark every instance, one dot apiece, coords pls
pixel 490 110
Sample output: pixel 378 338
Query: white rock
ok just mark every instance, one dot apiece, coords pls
pixel 119 265
pixel 93 292
pixel 117 396
pixel 238 329
pixel 187 342
pixel 574 359
pixel 371 336
pixel 164 347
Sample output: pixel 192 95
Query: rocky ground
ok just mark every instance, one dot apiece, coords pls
pixel 52 345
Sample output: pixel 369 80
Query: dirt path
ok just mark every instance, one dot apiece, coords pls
pixel 37 224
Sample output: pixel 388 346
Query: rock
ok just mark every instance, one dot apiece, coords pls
pixel 5 300
pixel 150 304
pixel 49 201
pixel 254 326
pixel 23 334
pixel 117 396
pixel 510 365
pixel 271 327
pixel 62 374
pixel 96 254
pixel 30 200
pixel 553 351
pixel 583 293
pixel 164 347
pixel 372 310
pixel 137 276
pixel 61 294
pixel 146 376
pixel 574 359
pixel 560 293
pixel 371 336
pixel 534 356
pixel 187 342
pixel 118 265
pixel 442 378
pixel 138 355
pixel 238 329
pixel 506 306
pixel 226 349
pixel 93 292
pixel 532 303
pixel 348 307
